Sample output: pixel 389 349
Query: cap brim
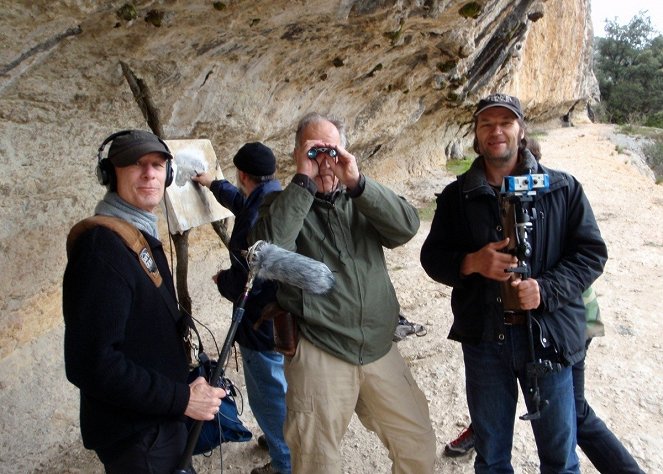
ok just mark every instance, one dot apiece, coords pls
pixel 134 152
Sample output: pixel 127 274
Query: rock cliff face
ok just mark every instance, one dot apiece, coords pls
pixel 404 74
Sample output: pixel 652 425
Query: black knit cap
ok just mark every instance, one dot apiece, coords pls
pixel 128 148
pixel 255 159
pixel 500 100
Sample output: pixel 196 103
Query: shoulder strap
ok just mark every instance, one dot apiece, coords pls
pixel 131 236
pixel 136 242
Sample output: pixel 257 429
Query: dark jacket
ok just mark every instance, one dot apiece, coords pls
pixel 568 255
pixel 123 347
pixel 231 282
pixel 355 321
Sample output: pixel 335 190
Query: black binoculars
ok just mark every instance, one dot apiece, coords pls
pixel 314 152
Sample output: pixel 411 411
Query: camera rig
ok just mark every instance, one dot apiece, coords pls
pixel 525 185
pixel 517 197
pixel 518 193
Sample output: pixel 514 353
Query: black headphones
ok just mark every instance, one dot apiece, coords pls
pixel 106 170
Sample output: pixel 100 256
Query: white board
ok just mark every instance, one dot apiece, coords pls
pixel 190 204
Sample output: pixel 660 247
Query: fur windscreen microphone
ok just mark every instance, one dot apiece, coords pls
pixel 274 263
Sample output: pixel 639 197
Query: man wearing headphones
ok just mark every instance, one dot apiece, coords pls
pixel 124 335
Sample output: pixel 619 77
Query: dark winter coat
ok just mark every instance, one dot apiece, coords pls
pixel 232 281
pixel 568 255
pixel 123 347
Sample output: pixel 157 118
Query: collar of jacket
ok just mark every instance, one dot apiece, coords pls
pixel 475 178
pixel 330 198
pixel 261 189
pixel 269 185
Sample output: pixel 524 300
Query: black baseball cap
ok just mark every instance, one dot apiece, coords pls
pixel 500 100
pixel 127 148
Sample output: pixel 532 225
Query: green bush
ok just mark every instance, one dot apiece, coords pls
pixel 628 129
pixel 127 12
pixel 426 213
pixel 654 155
pixel 641 131
pixel 628 63
pixel 457 167
pixel 655 120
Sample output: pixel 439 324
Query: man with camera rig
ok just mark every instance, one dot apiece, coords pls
pixel 600 445
pixel 124 341
pixel 345 361
pixel 517 287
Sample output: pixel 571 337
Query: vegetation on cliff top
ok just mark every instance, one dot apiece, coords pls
pixel 628 66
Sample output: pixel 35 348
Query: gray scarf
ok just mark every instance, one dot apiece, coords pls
pixel 114 206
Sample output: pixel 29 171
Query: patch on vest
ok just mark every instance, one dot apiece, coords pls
pixel 147 260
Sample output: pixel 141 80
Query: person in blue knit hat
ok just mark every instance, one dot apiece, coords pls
pixel 263 366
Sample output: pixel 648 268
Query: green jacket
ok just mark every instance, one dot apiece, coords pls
pixel 355 321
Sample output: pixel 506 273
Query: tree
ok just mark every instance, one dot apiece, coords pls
pixel 629 69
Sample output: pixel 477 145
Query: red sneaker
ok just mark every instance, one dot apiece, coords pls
pixel 461 445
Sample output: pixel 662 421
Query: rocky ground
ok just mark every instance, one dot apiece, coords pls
pixel 623 380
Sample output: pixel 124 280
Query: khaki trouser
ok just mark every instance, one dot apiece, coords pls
pixel 324 392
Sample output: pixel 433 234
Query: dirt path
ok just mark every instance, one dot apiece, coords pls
pixel 624 384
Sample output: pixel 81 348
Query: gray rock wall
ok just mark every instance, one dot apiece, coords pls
pixel 404 74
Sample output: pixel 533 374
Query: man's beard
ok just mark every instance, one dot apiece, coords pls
pixel 502 158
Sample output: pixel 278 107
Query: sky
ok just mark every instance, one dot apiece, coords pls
pixel 624 10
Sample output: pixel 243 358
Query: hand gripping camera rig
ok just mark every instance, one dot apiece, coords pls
pixel 517 213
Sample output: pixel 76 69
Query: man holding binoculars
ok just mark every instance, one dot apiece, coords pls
pixel 346 361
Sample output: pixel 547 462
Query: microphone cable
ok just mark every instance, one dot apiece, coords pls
pixel 234 390
pixel 170 236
